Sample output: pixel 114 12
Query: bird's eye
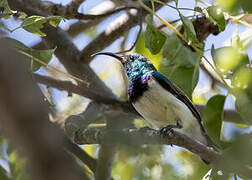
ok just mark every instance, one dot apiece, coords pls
pixel 137 69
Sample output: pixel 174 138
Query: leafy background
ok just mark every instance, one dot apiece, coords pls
pixel 230 52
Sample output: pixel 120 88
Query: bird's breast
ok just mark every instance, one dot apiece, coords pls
pixel 161 108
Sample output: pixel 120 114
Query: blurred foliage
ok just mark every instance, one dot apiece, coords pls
pixel 17 166
pixel 7 12
pixel 213 116
pixel 177 58
pixel 233 6
pixel 34 57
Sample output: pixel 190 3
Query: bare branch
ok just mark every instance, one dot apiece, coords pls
pixel 73 31
pixel 81 155
pixel 137 37
pixel 67 53
pixel 71 10
pixel 72 88
pixel 112 33
pixel 105 162
pixel 213 78
pixel 136 137
pixel 145 136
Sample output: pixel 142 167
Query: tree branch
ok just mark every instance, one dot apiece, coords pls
pixel 73 31
pixel 67 53
pixel 81 155
pixel 105 162
pixel 136 137
pixel 145 136
pixel 81 26
pixel 71 10
pixel 112 33
pixel 24 116
pixel 77 89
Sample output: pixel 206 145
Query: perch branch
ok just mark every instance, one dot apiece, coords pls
pixel 145 136
pixel 136 137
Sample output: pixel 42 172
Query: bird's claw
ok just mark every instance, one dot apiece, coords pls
pixel 168 130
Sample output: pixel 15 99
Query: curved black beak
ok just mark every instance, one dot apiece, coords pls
pixel 109 54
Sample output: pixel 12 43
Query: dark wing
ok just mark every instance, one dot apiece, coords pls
pixel 173 89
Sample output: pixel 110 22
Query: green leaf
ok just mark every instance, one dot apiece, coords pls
pixel 246 5
pixel 141 49
pixel 230 59
pixel 17 166
pixel 3 174
pixel 33 24
pixel 185 78
pixel 215 14
pixel 230 6
pixel 217 174
pixel 8 12
pixel 176 53
pixel 242 90
pixel 180 64
pixel 54 20
pixel 189 32
pixel 213 116
pixel 154 39
pixel 42 55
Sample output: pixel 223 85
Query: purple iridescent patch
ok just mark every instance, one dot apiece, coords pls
pixel 138 86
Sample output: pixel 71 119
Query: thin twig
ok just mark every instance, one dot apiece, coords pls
pixel 138 34
pixel 106 38
pixel 72 88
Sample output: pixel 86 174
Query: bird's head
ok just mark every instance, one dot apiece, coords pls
pixel 134 64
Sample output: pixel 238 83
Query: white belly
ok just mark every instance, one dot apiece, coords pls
pixel 160 108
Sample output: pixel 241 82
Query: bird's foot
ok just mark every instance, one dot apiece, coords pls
pixel 168 130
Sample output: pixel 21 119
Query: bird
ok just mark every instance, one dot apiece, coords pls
pixel 158 100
